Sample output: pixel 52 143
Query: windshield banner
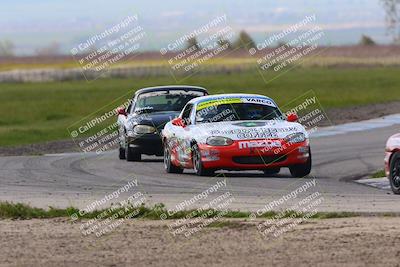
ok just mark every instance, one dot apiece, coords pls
pixel 235 100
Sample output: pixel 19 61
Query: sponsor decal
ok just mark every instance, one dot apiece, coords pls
pixel 217 102
pixel 258 100
pixel 235 100
pixel 259 143
pixel 250 124
pixel 255 133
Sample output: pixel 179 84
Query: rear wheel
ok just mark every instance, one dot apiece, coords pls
pixel 121 146
pixel 301 170
pixel 121 153
pixel 272 171
pixel 198 164
pixel 394 173
pixel 168 166
pixel 131 154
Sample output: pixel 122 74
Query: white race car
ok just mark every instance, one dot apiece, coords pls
pixel 235 132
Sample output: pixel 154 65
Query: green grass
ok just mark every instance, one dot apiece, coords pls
pixel 22 211
pixel 379 174
pixel 38 112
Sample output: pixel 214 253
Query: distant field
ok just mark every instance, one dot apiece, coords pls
pixel 378 55
pixel 37 112
pixel 323 61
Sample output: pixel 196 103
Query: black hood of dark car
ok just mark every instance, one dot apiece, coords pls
pixel 155 119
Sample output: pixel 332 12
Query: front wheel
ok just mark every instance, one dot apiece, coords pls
pixel 168 166
pixel 121 153
pixel 394 173
pixel 301 170
pixel 121 146
pixel 131 154
pixel 198 164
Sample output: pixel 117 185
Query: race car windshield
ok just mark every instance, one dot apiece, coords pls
pixel 237 112
pixel 171 100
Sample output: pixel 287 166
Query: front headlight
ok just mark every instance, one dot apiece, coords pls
pixel 295 138
pixel 143 129
pixel 219 141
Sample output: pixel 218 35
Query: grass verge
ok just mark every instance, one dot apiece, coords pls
pixel 379 174
pixel 40 112
pixel 22 211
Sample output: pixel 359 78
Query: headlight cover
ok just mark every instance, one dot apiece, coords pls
pixel 219 141
pixel 295 138
pixel 143 129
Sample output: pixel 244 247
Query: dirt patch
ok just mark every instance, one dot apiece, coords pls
pixel 52 147
pixel 336 115
pixel 359 113
pixel 364 241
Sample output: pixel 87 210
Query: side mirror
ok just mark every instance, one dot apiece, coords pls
pixel 292 117
pixel 121 111
pixel 179 122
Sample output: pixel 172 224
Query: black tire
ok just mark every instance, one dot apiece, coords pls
pixel 131 154
pixel 121 153
pixel 394 173
pixel 168 166
pixel 198 164
pixel 272 171
pixel 301 170
pixel 121 146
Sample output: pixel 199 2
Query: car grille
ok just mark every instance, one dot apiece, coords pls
pixel 259 159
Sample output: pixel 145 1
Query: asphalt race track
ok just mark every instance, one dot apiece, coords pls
pixel 79 179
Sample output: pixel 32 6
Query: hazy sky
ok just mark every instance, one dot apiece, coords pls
pixel 35 23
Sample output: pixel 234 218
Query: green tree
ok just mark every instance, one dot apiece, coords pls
pixel 282 43
pixel 193 42
pixel 245 41
pixel 392 18
pixel 6 48
pixel 366 40
pixel 225 42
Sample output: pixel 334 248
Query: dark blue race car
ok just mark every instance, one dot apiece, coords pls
pixel 140 125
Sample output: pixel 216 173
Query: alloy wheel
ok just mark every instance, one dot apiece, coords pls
pixel 396 173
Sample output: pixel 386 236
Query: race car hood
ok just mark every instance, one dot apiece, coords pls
pixel 156 119
pixel 247 130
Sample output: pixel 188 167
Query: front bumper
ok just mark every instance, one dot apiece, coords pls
pixel 149 144
pixel 235 158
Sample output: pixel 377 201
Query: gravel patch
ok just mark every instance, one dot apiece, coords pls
pixel 361 241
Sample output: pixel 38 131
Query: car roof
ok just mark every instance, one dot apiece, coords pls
pixel 170 87
pixel 212 97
